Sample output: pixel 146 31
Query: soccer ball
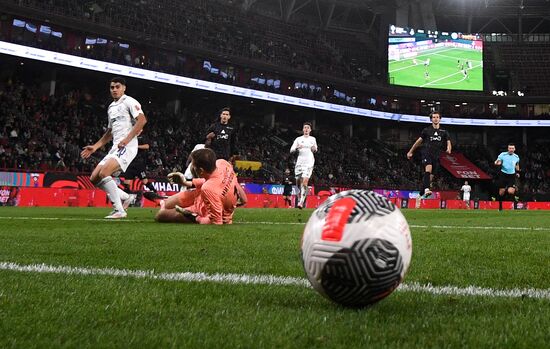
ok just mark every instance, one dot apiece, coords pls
pixel 356 248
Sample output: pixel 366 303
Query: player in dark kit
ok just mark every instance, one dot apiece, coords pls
pixel 287 189
pixel 435 140
pixel 138 169
pixel 221 136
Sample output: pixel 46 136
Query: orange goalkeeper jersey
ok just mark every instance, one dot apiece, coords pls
pixel 219 195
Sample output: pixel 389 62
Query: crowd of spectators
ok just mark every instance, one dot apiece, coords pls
pixel 28 137
pixel 536 168
pixel 186 63
pixel 224 31
pixel 526 64
pixel 218 27
pixel 45 133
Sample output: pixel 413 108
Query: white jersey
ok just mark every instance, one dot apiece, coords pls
pixel 188 175
pixel 305 155
pixel 121 114
pixel 197 147
pixel 466 189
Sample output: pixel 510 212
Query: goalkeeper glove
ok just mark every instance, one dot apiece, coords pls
pixel 176 177
pixel 192 216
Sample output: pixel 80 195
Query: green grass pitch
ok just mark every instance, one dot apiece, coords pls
pixel 444 71
pixel 487 249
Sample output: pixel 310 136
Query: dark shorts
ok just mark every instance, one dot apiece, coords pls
pixel 430 159
pixel 287 191
pixel 505 180
pixel 137 169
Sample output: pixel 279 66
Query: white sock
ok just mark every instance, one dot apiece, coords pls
pixel 122 194
pixel 110 187
pixel 303 192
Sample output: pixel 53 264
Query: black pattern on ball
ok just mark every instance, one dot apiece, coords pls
pixel 368 205
pixel 363 274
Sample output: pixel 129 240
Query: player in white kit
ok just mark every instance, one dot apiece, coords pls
pixel 126 120
pixel 305 145
pixel 188 173
pixel 466 190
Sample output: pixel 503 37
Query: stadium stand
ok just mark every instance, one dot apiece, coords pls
pixel 218 27
pixel 222 31
pixel 262 57
pixel 45 133
pixel 528 64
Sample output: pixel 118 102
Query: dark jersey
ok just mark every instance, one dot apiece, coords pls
pixel 435 140
pixel 287 182
pixel 138 166
pixel 142 153
pixel 223 142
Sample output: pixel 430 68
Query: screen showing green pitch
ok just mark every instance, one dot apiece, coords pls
pixel 432 59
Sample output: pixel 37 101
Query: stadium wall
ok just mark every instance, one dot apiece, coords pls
pixel 71 197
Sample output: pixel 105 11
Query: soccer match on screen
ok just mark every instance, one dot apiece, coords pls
pixel 432 59
pixel 275 174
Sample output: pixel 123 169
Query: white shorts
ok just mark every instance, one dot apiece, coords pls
pixel 123 156
pixel 466 197
pixel 303 171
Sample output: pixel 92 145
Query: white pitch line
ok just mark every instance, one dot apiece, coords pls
pixel 428 52
pixel 417 57
pixel 448 76
pixel 456 58
pixel 126 220
pixel 21 218
pixel 271 280
pixel 150 274
pixel 480 227
pixel 450 83
pixel 476 291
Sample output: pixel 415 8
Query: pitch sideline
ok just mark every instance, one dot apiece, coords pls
pixel 273 280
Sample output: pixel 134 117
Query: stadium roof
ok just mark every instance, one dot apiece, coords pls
pixel 506 16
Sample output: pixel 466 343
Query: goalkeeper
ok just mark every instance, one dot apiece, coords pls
pixel 215 196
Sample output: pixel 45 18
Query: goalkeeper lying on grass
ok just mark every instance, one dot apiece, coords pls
pixel 217 193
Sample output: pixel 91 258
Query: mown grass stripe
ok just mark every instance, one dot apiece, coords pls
pixel 125 220
pixel 129 220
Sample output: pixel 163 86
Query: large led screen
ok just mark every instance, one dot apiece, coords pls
pixel 432 59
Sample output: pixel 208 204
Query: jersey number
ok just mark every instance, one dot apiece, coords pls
pixel 121 152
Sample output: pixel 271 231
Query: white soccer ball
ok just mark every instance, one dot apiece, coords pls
pixel 356 248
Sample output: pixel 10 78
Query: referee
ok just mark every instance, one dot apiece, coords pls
pixel 509 170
